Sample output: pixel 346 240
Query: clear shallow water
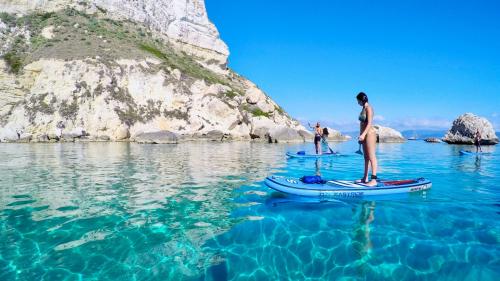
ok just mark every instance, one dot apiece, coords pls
pixel 118 211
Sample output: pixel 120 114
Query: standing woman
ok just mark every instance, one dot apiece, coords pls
pixel 368 137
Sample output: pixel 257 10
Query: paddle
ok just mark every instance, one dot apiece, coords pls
pixel 327 145
pixel 359 150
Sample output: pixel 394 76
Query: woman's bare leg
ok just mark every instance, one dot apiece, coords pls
pixel 371 143
pixel 367 161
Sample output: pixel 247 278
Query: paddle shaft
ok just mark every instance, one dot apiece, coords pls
pixel 327 145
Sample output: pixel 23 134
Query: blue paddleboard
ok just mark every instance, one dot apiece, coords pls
pixel 345 189
pixel 467 152
pixel 323 155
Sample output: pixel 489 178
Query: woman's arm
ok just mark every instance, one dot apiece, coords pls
pixel 369 117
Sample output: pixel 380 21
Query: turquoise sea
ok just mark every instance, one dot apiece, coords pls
pixel 200 211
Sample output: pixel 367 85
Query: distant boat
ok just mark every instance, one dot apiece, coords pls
pixel 412 138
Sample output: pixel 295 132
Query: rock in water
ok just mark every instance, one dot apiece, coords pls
pixel 464 128
pixel 334 135
pixel 284 134
pixel 433 140
pixel 388 135
pixel 161 137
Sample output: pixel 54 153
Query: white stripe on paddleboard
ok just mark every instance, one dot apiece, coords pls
pixel 345 183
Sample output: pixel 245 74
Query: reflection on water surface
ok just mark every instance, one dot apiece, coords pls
pixel 199 211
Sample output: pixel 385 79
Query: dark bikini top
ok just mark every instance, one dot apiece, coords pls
pixel 362 116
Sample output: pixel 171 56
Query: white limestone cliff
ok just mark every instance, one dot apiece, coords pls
pixel 182 21
pixel 150 71
pixel 129 98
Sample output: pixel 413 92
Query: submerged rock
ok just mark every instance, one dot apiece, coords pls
pixel 464 128
pixel 388 135
pixel 161 137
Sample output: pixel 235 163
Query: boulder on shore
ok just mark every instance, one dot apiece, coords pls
pixel 388 135
pixel 464 128
pixel 264 130
pixel 285 134
pixel 160 137
pixel 9 135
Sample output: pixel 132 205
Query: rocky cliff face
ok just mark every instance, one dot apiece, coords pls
pixel 182 22
pixel 464 128
pixel 115 70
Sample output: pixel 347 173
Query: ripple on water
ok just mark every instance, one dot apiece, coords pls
pixel 199 211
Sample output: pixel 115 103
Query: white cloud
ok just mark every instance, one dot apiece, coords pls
pixel 420 123
pixel 378 118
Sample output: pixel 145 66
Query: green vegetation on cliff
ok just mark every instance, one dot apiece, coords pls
pixel 71 35
pixel 184 63
pixel 77 35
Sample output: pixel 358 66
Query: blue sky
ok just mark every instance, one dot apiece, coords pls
pixel 422 63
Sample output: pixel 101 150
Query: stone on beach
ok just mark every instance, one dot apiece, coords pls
pixel 464 128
